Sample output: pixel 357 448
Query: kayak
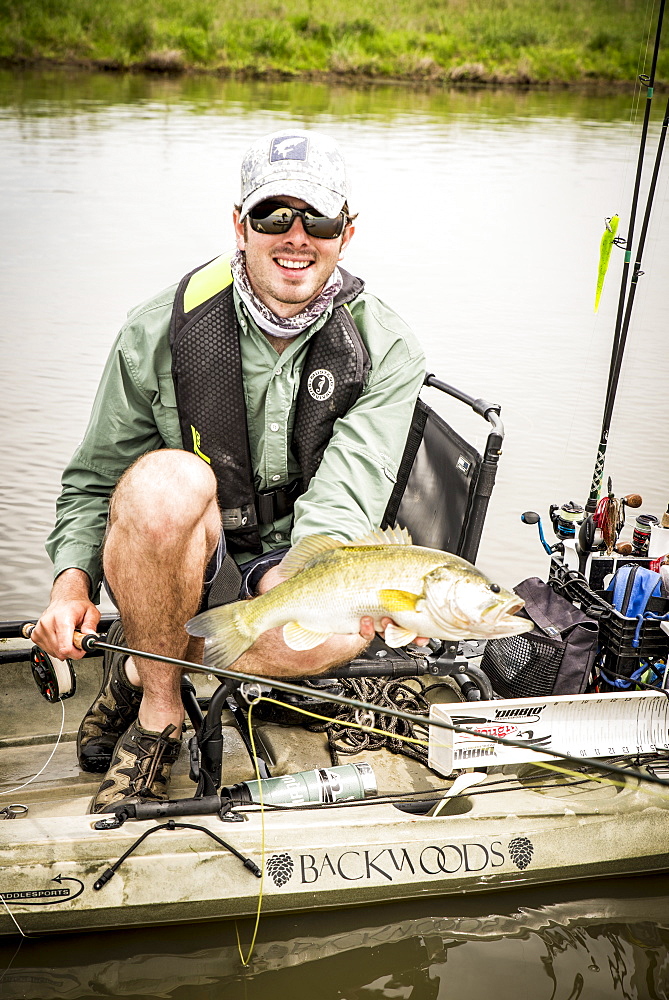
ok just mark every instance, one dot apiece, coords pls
pixel 520 825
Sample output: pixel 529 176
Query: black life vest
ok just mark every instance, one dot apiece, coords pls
pixel 207 373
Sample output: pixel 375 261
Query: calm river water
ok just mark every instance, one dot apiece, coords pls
pixel 480 219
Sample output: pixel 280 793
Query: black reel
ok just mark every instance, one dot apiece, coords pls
pixel 566 519
pixel 55 679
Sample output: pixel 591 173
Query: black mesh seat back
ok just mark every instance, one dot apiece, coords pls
pixel 438 496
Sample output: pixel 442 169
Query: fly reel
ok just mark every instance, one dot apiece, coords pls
pixel 55 679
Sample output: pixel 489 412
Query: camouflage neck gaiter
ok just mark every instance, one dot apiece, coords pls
pixel 268 321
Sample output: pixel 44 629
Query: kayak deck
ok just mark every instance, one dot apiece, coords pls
pixel 521 825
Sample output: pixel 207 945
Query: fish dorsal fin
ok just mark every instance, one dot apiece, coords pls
pixel 306 550
pixel 384 536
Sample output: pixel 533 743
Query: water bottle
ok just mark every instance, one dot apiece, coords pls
pixel 323 785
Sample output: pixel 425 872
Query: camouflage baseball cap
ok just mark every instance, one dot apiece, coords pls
pixel 297 164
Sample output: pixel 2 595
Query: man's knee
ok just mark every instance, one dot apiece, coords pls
pixel 164 491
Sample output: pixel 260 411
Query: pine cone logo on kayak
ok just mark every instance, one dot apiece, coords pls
pixel 280 868
pixel 520 851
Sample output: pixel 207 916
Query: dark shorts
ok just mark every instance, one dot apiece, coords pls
pixel 252 572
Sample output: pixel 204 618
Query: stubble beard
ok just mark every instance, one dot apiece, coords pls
pixel 264 288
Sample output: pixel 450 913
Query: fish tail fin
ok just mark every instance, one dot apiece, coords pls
pixel 225 631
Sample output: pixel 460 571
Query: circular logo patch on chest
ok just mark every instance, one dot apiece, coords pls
pixel 321 384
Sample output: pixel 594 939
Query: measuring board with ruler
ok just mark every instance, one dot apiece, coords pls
pixel 583 725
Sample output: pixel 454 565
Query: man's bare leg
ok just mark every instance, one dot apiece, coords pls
pixel 164 528
pixel 269 655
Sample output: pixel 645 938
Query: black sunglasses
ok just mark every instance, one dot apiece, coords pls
pixel 273 218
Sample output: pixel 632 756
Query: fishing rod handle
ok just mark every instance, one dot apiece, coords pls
pixel 85 640
pixel 82 640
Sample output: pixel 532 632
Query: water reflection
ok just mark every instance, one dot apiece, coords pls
pixel 61 92
pixel 543 944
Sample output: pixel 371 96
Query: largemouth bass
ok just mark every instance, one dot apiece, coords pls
pixel 330 585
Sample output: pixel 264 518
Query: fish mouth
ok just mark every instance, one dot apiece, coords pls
pixel 511 625
pixel 511 607
pixel 505 621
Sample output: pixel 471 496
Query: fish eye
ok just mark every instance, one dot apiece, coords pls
pixel 495 587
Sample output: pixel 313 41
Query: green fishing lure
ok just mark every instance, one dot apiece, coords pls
pixel 605 254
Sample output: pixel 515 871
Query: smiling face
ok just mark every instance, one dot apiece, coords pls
pixel 288 270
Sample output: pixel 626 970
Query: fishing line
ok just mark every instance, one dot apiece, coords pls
pixel 345 740
pixel 408 739
pixel 351 725
pixel 18 789
pixel 12 959
pixel 642 60
pixel 595 777
pixel 246 961
pixel 58 738
pixel 19 929
pixel 315 715
pixel 641 66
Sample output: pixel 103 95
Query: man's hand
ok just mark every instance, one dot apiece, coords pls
pixel 70 609
pixel 273 576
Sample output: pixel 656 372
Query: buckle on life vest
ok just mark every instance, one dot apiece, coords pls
pixel 238 517
pixel 272 505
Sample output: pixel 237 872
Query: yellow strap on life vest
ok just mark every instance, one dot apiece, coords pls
pixel 207 282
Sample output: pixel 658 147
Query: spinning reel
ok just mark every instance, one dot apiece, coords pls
pixel 591 532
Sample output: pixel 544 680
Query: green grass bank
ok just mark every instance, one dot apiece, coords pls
pixel 443 41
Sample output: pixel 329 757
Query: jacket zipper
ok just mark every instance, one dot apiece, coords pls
pixel 624 604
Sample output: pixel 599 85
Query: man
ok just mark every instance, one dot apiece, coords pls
pixel 265 398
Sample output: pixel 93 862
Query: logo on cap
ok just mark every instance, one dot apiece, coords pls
pixel 288 147
pixel 321 384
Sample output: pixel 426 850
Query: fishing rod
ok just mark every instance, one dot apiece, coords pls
pixel 636 271
pixel 91 641
pixel 623 314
